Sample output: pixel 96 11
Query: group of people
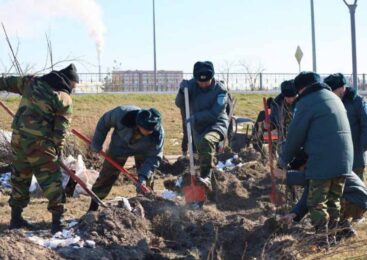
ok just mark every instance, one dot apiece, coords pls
pixel 43 118
pixel 322 129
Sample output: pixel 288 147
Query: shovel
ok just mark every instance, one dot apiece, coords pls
pixel 193 192
pixel 67 170
pixel 274 196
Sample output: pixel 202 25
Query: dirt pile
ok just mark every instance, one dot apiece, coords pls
pixel 14 245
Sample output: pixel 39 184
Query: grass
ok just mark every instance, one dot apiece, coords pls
pixel 89 108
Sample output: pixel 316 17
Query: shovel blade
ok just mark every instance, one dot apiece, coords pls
pixel 194 193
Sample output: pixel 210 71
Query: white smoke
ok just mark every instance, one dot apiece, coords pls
pixel 30 17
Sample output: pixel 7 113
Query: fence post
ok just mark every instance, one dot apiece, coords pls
pixel 261 81
pixel 364 81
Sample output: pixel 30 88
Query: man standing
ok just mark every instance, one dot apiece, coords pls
pixel 208 102
pixel 282 108
pixel 137 132
pixel 39 129
pixel 356 107
pixel 320 125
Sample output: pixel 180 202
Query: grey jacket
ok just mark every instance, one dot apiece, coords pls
pixel 148 147
pixel 320 125
pixel 208 108
pixel 356 108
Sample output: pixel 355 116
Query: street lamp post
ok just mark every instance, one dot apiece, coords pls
pixel 313 38
pixel 352 10
pixel 155 55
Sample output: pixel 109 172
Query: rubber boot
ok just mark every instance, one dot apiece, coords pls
pixel 345 230
pixel 93 206
pixel 17 221
pixel 56 225
pixel 321 236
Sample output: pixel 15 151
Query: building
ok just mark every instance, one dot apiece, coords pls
pixel 143 80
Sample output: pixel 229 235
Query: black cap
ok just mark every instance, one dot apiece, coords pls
pixel 71 73
pixel 306 79
pixel 335 81
pixel 288 89
pixel 203 70
pixel 149 119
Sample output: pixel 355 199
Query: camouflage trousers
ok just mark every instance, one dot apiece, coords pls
pixel 109 174
pixel 206 150
pixel 350 210
pixel 324 200
pixel 359 172
pixel 38 157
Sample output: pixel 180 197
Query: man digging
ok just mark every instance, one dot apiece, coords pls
pixel 137 132
pixel 209 120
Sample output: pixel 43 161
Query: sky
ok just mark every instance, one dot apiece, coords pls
pixel 259 33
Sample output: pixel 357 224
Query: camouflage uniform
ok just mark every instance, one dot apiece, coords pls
pixel 324 200
pixel 39 129
pixel 206 149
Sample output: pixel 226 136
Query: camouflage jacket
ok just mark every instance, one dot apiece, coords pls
pixel 43 111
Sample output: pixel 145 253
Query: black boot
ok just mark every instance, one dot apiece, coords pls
pixel 93 206
pixel 17 221
pixel 321 236
pixel 56 225
pixel 345 230
pixel 333 226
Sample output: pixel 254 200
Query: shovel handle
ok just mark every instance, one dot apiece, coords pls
pixel 82 184
pixel 112 162
pixel 7 109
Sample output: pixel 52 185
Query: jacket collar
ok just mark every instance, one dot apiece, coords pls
pixel 313 88
pixel 350 94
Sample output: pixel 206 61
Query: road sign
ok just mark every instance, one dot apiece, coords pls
pixel 299 55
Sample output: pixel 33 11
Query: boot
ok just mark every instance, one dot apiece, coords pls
pixel 332 226
pixel 206 181
pixel 56 225
pixel 93 206
pixel 321 236
pixel 17 221
pixel 345 230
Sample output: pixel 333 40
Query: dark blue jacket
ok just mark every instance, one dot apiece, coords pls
pixel 356 108
pixel 320 125
pixel 150 148
pixel 355 191
pixel 207 106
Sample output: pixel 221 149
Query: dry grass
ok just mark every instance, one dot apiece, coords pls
pixel 89 108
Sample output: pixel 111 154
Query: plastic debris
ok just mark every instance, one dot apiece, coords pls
pixel 170 195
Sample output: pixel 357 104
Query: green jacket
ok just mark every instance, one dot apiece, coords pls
pixel 207 106
pixel 43 111
pixel 321 126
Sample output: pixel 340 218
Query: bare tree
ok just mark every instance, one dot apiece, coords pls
pixel 226 68
pixel 253 72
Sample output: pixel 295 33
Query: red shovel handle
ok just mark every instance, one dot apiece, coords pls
pixel 112 162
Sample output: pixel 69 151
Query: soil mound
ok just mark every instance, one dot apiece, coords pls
pixel 14 245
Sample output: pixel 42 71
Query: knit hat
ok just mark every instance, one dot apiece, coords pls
pixel 306 79
pixel 203 70
pixel 149 119
pixel 70 72
pixel 335 81
pixel 288 89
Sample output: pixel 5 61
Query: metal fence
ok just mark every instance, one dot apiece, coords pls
pixel 169 82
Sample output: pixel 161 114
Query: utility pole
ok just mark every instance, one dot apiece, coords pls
pixel 352 10
pixel 313 38
pixel 155 55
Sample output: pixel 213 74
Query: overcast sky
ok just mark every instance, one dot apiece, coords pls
pixel 265 32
